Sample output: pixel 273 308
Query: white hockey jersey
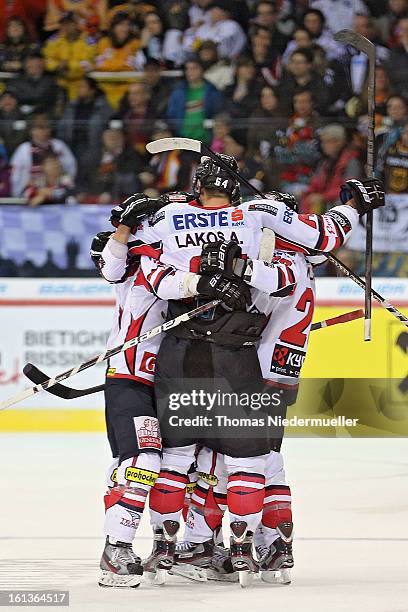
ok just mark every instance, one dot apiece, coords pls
pixel 176 234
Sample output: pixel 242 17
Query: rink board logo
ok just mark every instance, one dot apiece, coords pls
pixel 287 361
pixel 142 476
pixel 148 432
pixel 209 479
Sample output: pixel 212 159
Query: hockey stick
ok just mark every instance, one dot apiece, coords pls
pixel 365 46
pixel 344 318
pixel 38 376
pixel 108 353
pixel 171 144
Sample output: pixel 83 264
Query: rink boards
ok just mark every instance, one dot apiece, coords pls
pixel 57 324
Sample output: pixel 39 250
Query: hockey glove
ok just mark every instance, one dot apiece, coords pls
pixel 367 195
pixel 286 198
pixel 219 256
pixel 235 294
pixel 132 211
pixel 97 245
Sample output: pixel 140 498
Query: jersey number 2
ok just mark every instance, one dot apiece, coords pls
pixel 295 333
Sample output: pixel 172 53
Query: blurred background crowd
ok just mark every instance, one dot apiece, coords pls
pixel 85 84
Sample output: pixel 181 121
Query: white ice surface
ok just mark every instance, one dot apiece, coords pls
pixel 351 517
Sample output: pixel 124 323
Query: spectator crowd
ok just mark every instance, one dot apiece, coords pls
pixel 86 84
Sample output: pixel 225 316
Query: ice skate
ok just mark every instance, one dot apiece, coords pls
pixel 192 560
pixel 276 562
pixel 241 553
pixel 161 558
pixel 221 568
pixel 120 566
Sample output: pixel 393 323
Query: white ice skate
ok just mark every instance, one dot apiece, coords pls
pixel 120 566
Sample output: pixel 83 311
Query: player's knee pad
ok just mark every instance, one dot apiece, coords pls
pixel 255 465
pixel 139 472
pixel 179 457
pixel 274 466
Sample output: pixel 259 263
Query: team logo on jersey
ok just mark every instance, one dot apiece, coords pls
pixel 136 474
pixel 210 218
pixel 148 432
pixel 288 215
pixel 148 363
pixel 287 361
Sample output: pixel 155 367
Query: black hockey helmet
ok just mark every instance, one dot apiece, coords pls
pixel 210 174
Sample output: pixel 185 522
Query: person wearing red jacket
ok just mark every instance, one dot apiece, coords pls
pixel 339 164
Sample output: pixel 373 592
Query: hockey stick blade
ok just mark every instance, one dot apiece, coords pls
pixel 360 42
pixel 38 377
pixel 172 144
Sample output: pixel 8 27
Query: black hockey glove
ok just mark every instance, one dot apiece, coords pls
pixel 286 198
pixel 97 245
pixel 235 294
pixel 367 195
pixel 219 256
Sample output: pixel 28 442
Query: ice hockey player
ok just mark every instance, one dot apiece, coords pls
pixel 179 231
pixel 131 421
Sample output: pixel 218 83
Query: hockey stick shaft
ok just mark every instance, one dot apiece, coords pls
pixel 184 144
pixel 359 281
pixel 108 353
pixel 365 46
pixel 38 376
pixel 344 318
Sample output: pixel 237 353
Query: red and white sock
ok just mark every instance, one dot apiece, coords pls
pixel 278 499
pixel 125 501
pixel 167 496
pixel 246 489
